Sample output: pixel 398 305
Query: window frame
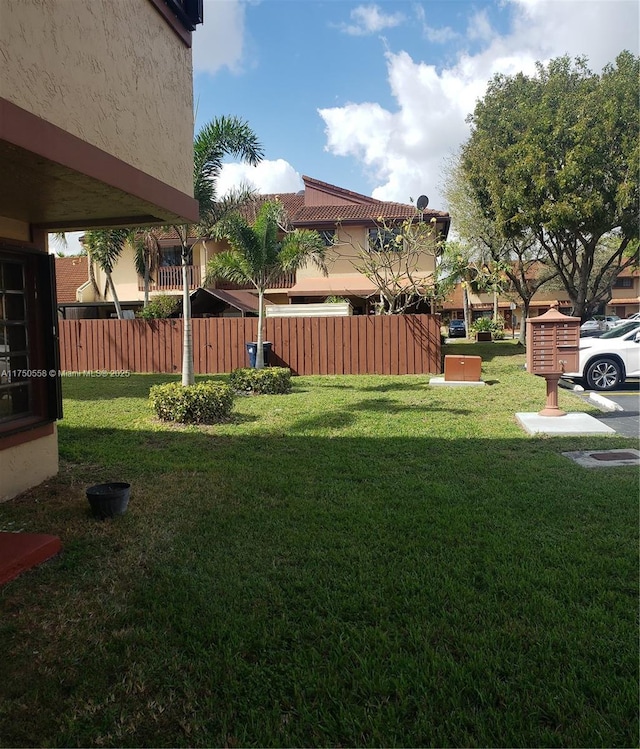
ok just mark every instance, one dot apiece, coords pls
pixel 172 251
pixel 328 237
pixel 387 234
pixel 45 396
pixel 623 282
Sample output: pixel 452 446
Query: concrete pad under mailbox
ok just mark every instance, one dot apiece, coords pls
pixel 454 383
pixel 571 423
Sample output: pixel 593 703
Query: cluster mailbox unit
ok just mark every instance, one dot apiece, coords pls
pixel 553 341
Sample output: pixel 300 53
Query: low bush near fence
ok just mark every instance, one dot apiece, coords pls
pixel 268 381
pixel 204 403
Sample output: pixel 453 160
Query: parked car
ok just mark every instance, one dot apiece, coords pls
pixel 635 316
pixel 457 329
pixel 591 327
pixel 607 361
pixel 598 324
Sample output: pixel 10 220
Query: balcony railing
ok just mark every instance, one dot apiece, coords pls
pixel 285 281
pixel 169 278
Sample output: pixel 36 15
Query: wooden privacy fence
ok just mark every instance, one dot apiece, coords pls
pixel 397 344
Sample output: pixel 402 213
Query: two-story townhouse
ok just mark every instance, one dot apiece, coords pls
pixel 349 221
pixel 96 130
pixel 625 301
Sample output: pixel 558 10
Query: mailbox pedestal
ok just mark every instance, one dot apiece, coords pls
pixel 553 340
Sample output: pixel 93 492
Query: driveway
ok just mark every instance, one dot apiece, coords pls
pixel 627 421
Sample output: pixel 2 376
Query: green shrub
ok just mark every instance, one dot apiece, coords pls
pixel 482 325
pixel 203 403
pixel 159 307
pixel 485 324
pixel 267 381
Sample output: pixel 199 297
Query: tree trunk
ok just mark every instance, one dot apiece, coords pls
pixel 116 301
pixel 260 336
pixel 522 338
pixel 146 283
pixel 495 305
pixel 188 377
pixel 466 311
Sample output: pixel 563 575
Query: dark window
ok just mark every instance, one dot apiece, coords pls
pixel 29 381
pixel 385 240
pixel 171 256
pixel 328 237
pixel 623 283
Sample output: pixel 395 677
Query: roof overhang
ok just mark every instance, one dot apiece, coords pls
pixel 245 301
pixel 346 285
pixel 59 182
pixel 627 300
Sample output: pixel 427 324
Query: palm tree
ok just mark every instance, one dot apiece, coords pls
pixel 104 246
pixel 223 136
pixel 258 256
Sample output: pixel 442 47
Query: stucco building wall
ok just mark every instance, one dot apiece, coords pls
pixel 28 464
pixel 107 71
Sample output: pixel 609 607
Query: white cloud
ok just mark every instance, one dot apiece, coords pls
pixel 404 150
pixel 267 177
pixel 437 35
pixel 479 26
pixel 219 41
pixel 369 19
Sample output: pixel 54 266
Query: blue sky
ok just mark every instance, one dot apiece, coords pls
pixel 373 96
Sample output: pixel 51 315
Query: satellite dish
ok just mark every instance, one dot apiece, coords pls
pixel 423 202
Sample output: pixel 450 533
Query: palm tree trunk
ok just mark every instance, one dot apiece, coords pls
pixel 147 274
pixel 188 377
pixel 260 336
pixel 116 301
pixel 495 304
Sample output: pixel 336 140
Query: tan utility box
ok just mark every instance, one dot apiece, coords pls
pixel 462 368
pixel 553 340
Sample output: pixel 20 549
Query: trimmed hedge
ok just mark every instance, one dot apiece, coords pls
pixel 204 403
pixel 267 381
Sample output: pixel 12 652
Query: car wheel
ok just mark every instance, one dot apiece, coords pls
pixel 603 374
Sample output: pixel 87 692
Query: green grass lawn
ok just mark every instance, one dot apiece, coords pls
pixel 367 561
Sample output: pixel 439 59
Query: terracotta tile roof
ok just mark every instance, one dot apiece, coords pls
pixel 631 270
pixel 454 298
pixel 368 212
pixel 71 272
pixel 322 203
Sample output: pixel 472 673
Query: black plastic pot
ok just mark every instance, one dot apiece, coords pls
pixel 109 500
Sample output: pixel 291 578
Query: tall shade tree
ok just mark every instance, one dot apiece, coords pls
pixel 520 258
pixel 104 247
pixel 223 136
pixel 261 252
pixel 556 155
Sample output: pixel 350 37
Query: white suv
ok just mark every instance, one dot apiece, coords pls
pixel 607 361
